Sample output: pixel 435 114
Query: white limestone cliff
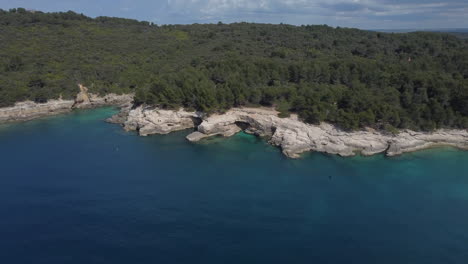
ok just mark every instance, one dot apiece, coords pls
pixel 290 134
pixel 28 110
pixel 158 121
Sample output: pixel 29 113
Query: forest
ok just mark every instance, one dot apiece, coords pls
pixel 349 77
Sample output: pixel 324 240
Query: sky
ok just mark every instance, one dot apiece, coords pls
pixel 365 14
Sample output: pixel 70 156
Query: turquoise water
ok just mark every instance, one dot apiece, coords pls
pixel 74 189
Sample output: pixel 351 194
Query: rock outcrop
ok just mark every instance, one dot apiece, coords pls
pixel 290 134
pixel 28 110
pixel 157 121
pixel 409 141
pixel 82 98
pixel 120 117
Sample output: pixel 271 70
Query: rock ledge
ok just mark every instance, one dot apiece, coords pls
pixel 28 110
pixel 290 134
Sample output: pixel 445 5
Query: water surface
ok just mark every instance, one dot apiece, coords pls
pixel 74 189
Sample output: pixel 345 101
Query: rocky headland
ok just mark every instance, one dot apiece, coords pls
pixel 28 110
pixel 290 134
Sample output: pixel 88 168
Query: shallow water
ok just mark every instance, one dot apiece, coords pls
pixel 74 189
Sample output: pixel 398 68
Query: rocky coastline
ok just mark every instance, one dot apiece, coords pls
pixel 293 136
pixel 28 110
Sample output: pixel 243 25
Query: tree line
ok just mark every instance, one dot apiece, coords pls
pixel 349 77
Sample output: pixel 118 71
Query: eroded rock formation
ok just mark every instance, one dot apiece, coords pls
pixel 290 134
pixel 157 121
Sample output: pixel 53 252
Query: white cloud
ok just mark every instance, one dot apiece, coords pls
pixel 350 13
pixel 219 7
pixel 333 12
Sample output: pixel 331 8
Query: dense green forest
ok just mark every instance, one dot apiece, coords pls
pixel 349 77
pixel 462 35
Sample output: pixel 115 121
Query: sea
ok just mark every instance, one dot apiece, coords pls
pixel 75 189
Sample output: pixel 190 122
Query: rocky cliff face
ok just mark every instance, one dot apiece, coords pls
pixel 82 97
pixel 30 110
pixel 157 121
pixel 290 134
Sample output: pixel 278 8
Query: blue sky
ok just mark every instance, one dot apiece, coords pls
pixel 367 14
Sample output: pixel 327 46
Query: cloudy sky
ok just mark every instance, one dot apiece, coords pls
pixel 367 14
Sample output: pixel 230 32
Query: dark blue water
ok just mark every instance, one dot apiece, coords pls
pixel 74 189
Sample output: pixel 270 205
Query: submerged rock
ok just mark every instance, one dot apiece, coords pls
pixel 196 136
pixel 120 117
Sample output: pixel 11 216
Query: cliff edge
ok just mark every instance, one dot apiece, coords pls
pixel 290 134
